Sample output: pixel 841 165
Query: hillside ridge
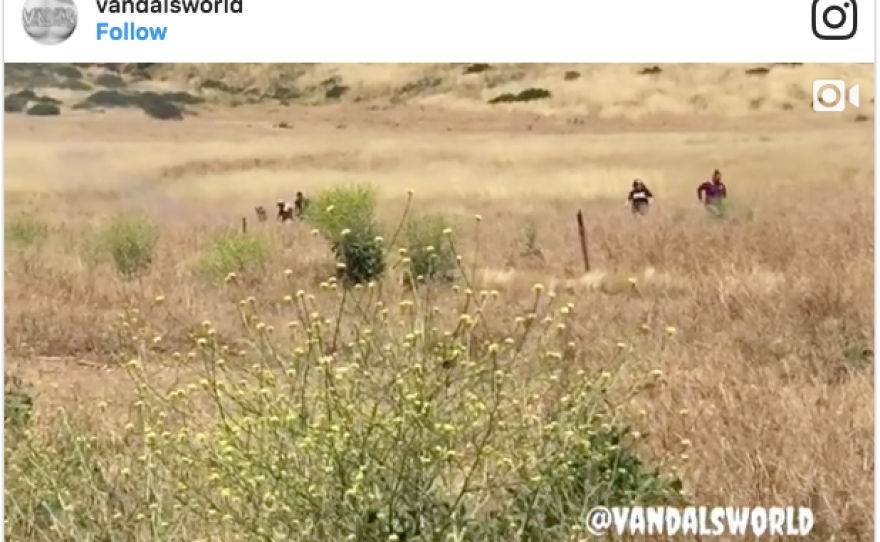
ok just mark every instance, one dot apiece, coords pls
pixel 629 91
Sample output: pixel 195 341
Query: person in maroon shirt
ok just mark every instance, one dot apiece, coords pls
pixel 712 193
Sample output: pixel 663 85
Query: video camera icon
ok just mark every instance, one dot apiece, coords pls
pixel 830 95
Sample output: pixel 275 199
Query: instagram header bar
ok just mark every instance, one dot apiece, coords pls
pixel 454 31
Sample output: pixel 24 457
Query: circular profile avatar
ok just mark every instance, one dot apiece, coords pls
pixel 49 22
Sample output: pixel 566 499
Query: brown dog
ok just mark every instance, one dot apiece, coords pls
pixel 285 211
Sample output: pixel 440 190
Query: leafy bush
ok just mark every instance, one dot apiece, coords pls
pixel 162 110
pixel 43 109
pixel 108 99
pixel 361 253
pixel 236 252
pixel 15 104
pixel 346 217
pixel 110 80
pixel 527 95
pixel 429 247
pixel 578 478
pixel 336 209
pixel 68 72
pixel 130 243
pixel 26 231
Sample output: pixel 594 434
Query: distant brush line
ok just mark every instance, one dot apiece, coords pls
pixel 169 6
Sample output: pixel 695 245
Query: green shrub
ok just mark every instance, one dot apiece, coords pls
pixel 337 209
pixel 18 406
pixel 43 109
pixel 130 243
pixel 429 247
pixel 575 478
pixel 162 109
pixel 74 482
pixel 236 252
pixel 361 254
pixel 15 104
pixel 346 217
pixel 26 231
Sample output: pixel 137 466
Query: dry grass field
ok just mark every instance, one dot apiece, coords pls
pixel 186 403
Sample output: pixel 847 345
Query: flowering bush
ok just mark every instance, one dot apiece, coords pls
pixel 346 217
pixel 374 415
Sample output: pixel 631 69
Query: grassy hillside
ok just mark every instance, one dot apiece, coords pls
pixel 603 90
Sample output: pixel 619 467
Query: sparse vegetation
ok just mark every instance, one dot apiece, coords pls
pixel 527 95
pixel 18 410
pixel 129 242
pixel 162 110
pixel 430 249
pixel 170 377
pixel 44 109
pixel 531 248
pixel 15 104
pixel 237 253
pixel 26 231
pixel 160 106
pixel 110 80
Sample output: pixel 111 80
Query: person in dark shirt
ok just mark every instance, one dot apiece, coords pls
pixel 712 193
pixel 300 205
pixel 639 198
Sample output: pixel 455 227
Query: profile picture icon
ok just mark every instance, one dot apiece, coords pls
pixel 49 22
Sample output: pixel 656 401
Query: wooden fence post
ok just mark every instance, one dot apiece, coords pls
pixel 244 224
pixel 582 233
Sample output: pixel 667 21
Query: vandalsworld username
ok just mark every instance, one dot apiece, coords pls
pixel 169 6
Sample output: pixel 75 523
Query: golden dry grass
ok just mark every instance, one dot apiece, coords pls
pixel 606 91
pixel 764 379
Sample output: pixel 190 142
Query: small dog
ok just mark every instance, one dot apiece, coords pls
pixel 285 211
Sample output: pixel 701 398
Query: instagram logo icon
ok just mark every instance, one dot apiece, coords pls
pixel 835 19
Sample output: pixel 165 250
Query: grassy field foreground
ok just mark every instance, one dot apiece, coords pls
pixel 192 382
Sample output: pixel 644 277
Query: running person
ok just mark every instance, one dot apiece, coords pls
pixel 712 193
pixel 639 198
pixel 300 205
